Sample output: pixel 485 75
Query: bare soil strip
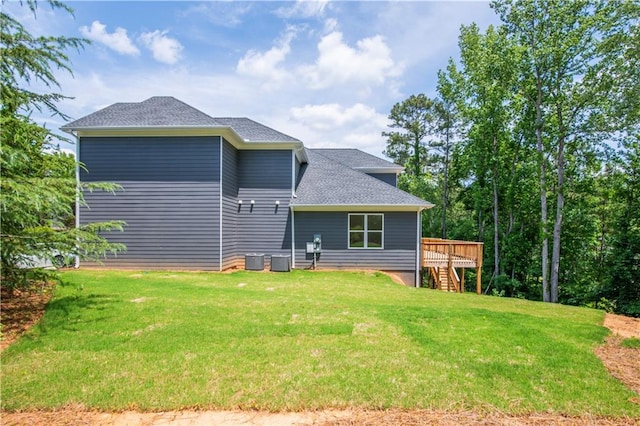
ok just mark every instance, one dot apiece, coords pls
pixel 321 418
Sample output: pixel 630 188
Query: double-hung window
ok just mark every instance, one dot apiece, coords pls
pixel 366 231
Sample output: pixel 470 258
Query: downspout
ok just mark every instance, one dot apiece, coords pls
pixel 293 239
pixel 220 209
pixel 418 246
pixel 293 195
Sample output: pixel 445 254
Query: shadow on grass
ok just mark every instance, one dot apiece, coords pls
pixel 67 312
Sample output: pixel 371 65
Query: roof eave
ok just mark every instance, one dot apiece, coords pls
pixel 361 207
pixel 226 132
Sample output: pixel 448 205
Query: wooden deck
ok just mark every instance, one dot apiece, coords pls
pixel 442 257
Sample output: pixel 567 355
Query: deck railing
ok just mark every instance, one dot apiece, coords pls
pixel 453 253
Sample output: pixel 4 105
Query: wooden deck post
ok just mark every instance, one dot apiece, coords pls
pixel 449 267
pixel 462 281
pixel 479 270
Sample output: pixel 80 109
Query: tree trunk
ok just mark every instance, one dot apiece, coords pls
pixel 557 227
pixel 546 293
pixel 417 170
pixel 555 256
pixel 445 187
pixel 496 228
pixel 496 231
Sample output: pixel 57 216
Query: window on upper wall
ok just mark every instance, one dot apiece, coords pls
pixel 366 231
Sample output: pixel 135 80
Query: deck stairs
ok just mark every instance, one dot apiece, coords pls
pixel 442 280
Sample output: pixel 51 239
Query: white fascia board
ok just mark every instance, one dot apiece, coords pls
pixel 358 207
pixel 301 153
pixel 150 131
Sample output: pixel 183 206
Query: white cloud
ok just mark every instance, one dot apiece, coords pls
pixel 337 64
pixel 336 126
pixel 224 14
pixel 303 9
pixel 330 116
pixel 267 65
pixel 369 62
pixel 117 40
pixel 165 49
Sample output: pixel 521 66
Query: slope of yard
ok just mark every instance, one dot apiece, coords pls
pixel 304 341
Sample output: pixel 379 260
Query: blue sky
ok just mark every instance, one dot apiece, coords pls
pixel 325 72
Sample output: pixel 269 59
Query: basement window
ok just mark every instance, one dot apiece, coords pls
pixel 366 231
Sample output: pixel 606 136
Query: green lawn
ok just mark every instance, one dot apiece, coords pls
pixel 303 341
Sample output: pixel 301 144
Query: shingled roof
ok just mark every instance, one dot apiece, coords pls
pixel 159 111
pixel 325 182
pixel 356 159
pixel 252 131
pixel 167 111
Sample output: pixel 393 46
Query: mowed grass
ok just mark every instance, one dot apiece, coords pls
pixel 115 340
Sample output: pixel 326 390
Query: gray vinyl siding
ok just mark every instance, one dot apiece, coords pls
pixel 230 255
pixel 399 253
pixel 390 178
pixel 170 199
pixel 264 176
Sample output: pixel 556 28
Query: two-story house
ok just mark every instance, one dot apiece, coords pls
pixel 201 192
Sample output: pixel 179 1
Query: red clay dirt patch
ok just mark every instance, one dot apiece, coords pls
pixel 320 418
pixel 25 309
pixel 624 326
pixel 623 363
pixel 22 309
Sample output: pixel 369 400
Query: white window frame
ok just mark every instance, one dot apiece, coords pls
pixel 366 231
